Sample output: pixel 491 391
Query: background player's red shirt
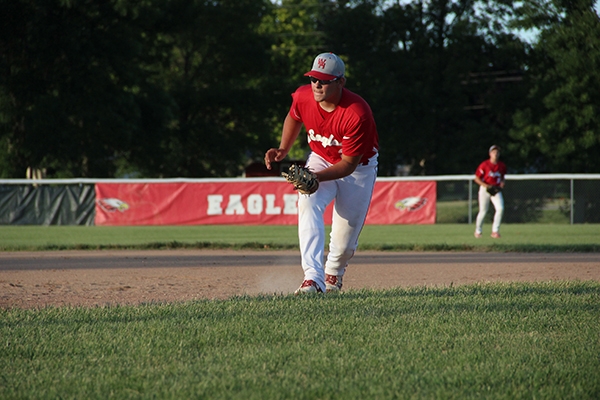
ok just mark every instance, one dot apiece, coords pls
pixel 492 174
pixel 349 129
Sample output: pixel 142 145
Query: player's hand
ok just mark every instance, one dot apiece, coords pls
pixel 274 155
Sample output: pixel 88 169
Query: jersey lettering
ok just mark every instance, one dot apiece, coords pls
pixel 497 176
pixel 326 142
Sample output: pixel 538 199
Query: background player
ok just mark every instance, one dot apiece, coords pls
pixel 344 144
pixel 490 174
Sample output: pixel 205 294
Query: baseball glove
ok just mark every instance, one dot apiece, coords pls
pixel 493 190
pixel 303 179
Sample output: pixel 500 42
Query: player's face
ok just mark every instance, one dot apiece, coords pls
pixel 494 155
pixel 326 91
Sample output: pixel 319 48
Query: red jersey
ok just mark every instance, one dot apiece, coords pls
pixel 349 129
pixel 492 174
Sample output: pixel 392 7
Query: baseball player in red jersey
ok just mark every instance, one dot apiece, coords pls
pixel 344 144
pixel 489 175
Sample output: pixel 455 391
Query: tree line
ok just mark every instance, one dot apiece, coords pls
pixel 188 88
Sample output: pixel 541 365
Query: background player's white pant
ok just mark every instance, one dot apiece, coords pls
pixel 352 196
pixel 484 204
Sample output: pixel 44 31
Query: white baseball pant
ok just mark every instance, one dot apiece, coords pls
pixel 484 204
pixel 352 195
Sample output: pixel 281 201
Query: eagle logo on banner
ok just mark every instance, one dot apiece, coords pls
pixel 410 203
pixel 112 205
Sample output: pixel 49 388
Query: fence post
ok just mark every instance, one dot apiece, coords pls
pixel 470 201
pixel 572 201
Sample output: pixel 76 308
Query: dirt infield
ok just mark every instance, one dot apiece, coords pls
pixel 91 278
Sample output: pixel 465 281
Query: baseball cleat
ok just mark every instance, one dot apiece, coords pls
pixel 495 235
pixel 477 235
pixel 308 286
pixel 333 283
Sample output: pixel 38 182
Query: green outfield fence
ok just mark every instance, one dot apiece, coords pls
pixel 528 198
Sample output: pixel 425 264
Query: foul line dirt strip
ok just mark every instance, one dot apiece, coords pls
pixel 215 258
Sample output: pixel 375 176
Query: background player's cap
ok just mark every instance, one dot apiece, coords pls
pixel 327 66
pixel 494 147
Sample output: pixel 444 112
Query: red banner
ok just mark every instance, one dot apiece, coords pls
pixel 251 201
pixel 403 202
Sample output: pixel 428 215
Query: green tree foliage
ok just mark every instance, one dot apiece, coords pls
pixel 433 73
pixel 155 88
pixel 213 65
pixel 164 88
pixel 295 32
pixel 74 94
pixel 559 131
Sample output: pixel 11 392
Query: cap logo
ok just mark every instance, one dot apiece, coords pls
pixel 322 62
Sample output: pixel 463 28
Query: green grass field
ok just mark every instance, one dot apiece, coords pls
pixel 489 341
pixel 515 237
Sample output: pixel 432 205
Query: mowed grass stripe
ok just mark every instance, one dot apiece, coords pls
pixel 493 341
pixel 444 237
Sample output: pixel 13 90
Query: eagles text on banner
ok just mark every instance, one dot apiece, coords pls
pixel 247 202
